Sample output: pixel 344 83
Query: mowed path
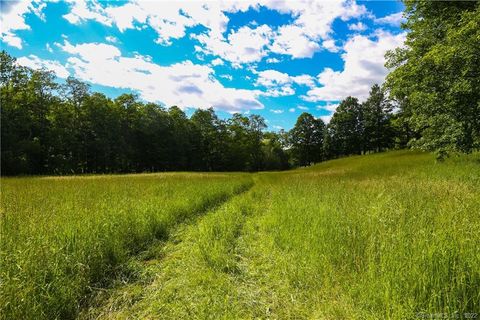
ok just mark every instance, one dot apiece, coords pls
pixel 183 278
pixel 382 236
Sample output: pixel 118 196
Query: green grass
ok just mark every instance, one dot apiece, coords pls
pixel 63 237
pixel 381 236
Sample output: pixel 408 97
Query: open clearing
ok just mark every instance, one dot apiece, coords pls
pixel 380 236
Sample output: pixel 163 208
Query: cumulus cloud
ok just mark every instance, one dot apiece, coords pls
pixel 271 78
pixel 82 10
pixel 312 22
pixel 291 110
pixel 359 26
pixel 330 45
pixel 329 107
pixel 363 66
pixel 302 108
pixel 111 39
pixel 394 19
pixel 168 19
pixel 280 84
pixel 12 40
pixel 245 45
pixel 34 62
pixel 12 19
pixel 217 62
pixel 326 119
pixel 184 84
pixel 304 79
pixel 291 40
pixel 272 60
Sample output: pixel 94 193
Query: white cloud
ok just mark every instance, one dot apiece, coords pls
pixel 304 79
pixel 125 16
pixel 363 66
pixel 280 84
pixel 169 19
pixel 291 110
pixel 286 90
pixel 312 23
pixel 329 106
pixel 326 118
pixel 291 40
pixel 395 19
pixel 35 62
pixel 302 108
pixel 184 84
pixel 92 51
pixel 12 15
pixel 12 18
pixel 272 60
pixel 226 76
pixel 359 26
pixel 330 45
pixel 271 78
pixel 111 39
pixel 277 127
pixel 217 62
pixel 276 111
pixel 82 10
pixel 245 45
pixel 12 40
pixel 48 47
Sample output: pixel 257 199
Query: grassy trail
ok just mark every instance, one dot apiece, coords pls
pixel 384 236
pixel 201 254
pixel 63 239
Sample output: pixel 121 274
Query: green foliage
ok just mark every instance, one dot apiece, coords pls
pixel 275 155
pixel 378 132
pixel 437 75
pixel 49 128
pixel 306 139
pixel 346 128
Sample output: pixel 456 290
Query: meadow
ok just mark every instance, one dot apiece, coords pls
pixel 64 237
pixel 385 236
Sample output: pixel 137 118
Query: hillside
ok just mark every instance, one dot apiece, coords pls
pixel 391 235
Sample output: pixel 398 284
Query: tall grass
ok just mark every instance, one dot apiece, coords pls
pixel 389 236
pixel 386 236
pixel 63 237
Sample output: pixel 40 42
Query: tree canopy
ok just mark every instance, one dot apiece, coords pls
pixel 436 76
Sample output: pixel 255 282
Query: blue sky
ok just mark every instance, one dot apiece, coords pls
pixel 273 58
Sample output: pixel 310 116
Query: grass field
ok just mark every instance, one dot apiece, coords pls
pixel 63 237
pixel 384 236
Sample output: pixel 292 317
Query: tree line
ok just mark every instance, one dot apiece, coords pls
pixel 52 128
pixel 431 101
pixel 431 97
pixel 48 128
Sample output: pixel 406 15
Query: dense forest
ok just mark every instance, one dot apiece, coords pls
pixel 431 101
